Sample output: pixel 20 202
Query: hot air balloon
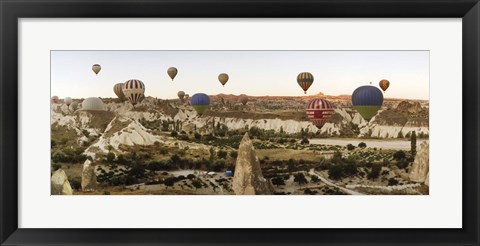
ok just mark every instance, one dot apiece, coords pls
pixel 319 111
pixel 55 99
pixel 96 68
pixel 243 99
pixel 93 104
pixel 384 84
pixel 172 72
pixel 133 90
pixel 67 100
pixel 73 106
pixel 305 80
pixel 181 95
pixel 200 102
pixel 223 78
pixel 367 100
pixel 118 90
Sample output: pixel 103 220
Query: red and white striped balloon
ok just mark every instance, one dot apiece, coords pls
pixel 319 111
pixel 133 89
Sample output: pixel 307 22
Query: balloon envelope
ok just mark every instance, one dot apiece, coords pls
pixel 200 102
pixel 172 72
pixel 118 90
pixel 384 84
pixel 133 90
pixel 55 99
pixel 305 80
pixel 181 94
pixel 223 78
pixel 243 99
pixel 67 100
pixel 319 111
pixel 96 68
pixel 367 100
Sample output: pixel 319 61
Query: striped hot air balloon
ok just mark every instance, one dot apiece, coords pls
pixel 223 78
pixel 305 80
pixel 172 72
pixel 118 90
pixel 367 100
pixel 96 68
pixel 319 111
pixel 133 90
pixel 384 84
pixel 200 102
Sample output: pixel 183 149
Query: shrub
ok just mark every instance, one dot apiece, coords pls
pixel 183 138
pixel 56 166
pixel 110 157
pixel 309 192
pixel 197 136
pixel 76 183
pixel 191 176
pixel 335 172
pixel 277 181
pixel 233 154
pixel 362 145
pixel 350 147
pixel 174 134
pixel 163 150
pixel 399 155
pixel 402 164
pixel 170 181
pixel 222 154
pixel 300 178
pixel 315 178
pixel 305 141
pixel 375 172
pixel 392 182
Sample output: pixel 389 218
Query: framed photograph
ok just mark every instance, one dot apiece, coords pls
pixel 264 122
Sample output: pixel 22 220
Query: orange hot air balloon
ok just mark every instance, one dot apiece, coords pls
pixel 384 84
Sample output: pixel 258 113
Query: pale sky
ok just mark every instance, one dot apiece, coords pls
pixel 256 73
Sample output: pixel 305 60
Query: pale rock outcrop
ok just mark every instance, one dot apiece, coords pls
pixel 59 184
pixel 427 180
pixel 89 179
pixel 419 172
pixel 248 178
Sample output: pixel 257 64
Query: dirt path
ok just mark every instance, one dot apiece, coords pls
pixel 350 192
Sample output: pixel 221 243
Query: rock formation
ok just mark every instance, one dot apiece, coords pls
pixel 89 179
pixel 427 180
pixel 59 184
pixel 419 172
pixel 248 178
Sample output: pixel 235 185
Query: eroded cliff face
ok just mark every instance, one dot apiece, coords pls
pixel 248 178
pixel 420 171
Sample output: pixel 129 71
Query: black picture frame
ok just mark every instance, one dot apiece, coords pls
pixel 11 10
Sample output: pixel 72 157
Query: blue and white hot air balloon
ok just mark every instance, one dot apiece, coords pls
pixel 367 100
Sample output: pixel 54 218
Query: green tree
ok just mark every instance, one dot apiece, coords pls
pixel 110 157
pixel 362 145
pixel 174 133
pixel 233 154
pixel 413 144
pixel 222 154
pixel 211 159
pixel 375 172
pixel 300 178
